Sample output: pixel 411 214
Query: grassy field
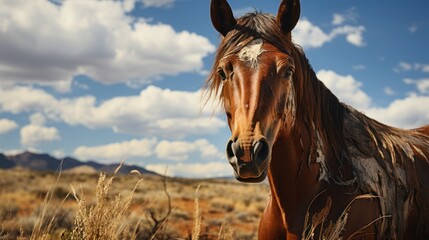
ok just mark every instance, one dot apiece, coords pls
pixel 41 205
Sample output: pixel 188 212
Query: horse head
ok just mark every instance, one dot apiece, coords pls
pixel 254 74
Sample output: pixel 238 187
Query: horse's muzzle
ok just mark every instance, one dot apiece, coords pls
pixel 254 168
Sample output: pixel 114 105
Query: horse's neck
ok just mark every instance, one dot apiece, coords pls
pixel 293 183
pixel 300 156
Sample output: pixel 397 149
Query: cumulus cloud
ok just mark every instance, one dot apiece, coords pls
pixel 421 84
pixel 309 35
pixel 49 44
pixel 33 134
pixel 7 125
pixel 181 150
pixel 37 119
pixel 154 112
pixel 409 112
pixel 198 170
pixel 36 132
pixel 200 149
pixel 116 152
pixel 346 88
pixel 151 147
pixel 35 100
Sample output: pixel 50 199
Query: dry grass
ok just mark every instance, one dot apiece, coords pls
pixel 106 219
pixel 120 207
pixel 38 205
pixel 334 229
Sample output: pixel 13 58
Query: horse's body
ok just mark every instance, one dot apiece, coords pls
pixel 314 149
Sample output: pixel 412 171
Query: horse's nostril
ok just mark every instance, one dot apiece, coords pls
pixel 261 150
pixel 233 149
pixel 229 151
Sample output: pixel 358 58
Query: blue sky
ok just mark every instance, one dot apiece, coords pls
pixel 116 80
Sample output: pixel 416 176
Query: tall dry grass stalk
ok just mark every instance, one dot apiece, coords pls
pixel 225 232
pixel 45 226
pixel 107 218
pixel 196 230
pixel 334 229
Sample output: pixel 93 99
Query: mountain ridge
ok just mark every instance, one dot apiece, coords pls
pixel 46 162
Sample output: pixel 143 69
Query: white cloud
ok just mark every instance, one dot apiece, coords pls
pixel 196 170
pixel 36 132
pixel 389 91
pixel 424 68
pixel 149 147
pixel 359 67
pixel 49 44
pixel 116 152
pixel 128 5
pixel 421 84
pixel 35 100
pixel 353 34
pixel 346 88
pixel 32 135
pixel 181 150
pixel 309 35
pixel 12 152
pixel 37 119
pixel 409 112
pixel 7 125
pixel 338 19
pixel 59 154
pixel 348 16
pixel 154 112
pixel 157 3
pixel 405 67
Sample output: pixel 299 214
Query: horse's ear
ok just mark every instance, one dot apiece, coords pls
pixel 288 15
pixel 222 17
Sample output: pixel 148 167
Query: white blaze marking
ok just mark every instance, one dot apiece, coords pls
pixel 251 52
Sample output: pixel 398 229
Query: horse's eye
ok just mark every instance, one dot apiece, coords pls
pixel 222 74
pixel 287 74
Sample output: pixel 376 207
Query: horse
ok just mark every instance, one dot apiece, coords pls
pixel 324 160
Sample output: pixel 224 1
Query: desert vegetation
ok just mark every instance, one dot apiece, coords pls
pixel 73 205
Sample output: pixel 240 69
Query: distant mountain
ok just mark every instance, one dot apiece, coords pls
pixel 5 162
pixel 45 162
